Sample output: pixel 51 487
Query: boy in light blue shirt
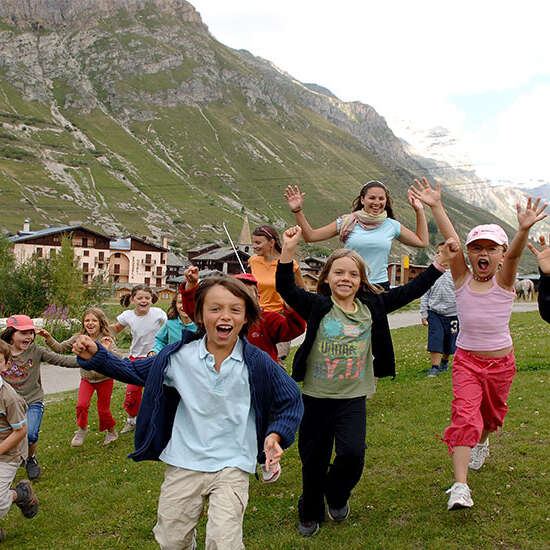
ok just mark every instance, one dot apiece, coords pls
pixel 213 405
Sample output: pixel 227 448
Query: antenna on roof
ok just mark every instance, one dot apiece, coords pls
pixel 234 249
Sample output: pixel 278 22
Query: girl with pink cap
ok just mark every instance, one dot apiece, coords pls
pixel 484 364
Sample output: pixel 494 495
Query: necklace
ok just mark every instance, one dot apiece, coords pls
pixel 482 279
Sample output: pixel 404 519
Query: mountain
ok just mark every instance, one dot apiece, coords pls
pixel 129 116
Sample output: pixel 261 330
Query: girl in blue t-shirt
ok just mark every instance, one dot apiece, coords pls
pixel 369 229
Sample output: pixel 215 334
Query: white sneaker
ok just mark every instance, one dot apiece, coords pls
pixel 479 453
pixel 273 475
pixel 110 437
pixel 79 437
pixel 460 497
pixel 129 426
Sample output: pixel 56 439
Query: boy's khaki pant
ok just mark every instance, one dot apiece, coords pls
pixel 7 475
pixel 182 497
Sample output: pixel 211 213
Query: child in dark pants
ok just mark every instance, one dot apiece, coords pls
pixel 346 325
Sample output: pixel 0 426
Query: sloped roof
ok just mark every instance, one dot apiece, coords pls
pixel 25 236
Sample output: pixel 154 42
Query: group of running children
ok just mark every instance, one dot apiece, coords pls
pixel 215 400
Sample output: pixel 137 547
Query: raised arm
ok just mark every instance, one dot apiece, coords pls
pixel 53 344
pixel 543 258
pixel 533 213
pixel 430 196
pixel 419 238
pixel 295 200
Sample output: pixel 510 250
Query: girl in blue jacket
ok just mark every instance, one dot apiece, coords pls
pixel 213 405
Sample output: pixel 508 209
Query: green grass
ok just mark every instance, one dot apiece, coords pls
pixel 96 498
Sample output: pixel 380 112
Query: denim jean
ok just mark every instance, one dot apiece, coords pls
pixel 34 419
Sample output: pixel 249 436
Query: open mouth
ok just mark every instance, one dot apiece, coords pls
pixel 224 331
pixel 483 265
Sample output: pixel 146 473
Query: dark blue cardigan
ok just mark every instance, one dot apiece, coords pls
pixel 275 396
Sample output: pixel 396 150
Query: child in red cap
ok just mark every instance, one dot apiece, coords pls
pixel 23 375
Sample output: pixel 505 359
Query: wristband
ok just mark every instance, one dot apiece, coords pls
pixel 296 211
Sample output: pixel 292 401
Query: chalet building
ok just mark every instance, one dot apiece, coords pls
pixel 174 267
pixel 127 260
pixel 221 259
pixel 394 273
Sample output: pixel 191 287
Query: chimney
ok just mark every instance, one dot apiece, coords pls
pixel 164 242
pixel 27 226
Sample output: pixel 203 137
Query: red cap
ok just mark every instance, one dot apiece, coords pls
pixel 20 322
pixel 246 278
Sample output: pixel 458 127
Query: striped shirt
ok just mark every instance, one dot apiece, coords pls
pixel 440 298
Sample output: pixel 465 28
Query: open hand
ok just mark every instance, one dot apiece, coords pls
pixel 424 192
pixel 294 197
pixel 532 214
pixel 106 342
pixel 192 276
pixel 84 347
pixel 414 202
pixel 44 333
pixel 543 257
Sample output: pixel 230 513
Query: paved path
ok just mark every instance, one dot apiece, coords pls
pixel 58 379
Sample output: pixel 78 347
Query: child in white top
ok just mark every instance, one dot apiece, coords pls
pixel 144 322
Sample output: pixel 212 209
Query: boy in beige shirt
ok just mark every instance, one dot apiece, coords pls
pixel 13 447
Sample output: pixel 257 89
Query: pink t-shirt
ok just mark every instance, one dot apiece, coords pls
pixel 484 317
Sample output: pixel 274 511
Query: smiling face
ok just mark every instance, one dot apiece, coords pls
pixel 374 200
pixel 485 256
pixel 21 340
pixel 91 325
pixel 344 279
pixel 262 245
pixel 223 317
pixel 142 301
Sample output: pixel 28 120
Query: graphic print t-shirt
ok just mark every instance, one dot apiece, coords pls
pixel 339 365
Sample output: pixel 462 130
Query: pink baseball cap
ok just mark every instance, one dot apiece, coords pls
pixel 246 278
pixel 20 322
pixel 490 231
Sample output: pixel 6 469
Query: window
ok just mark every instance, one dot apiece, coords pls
pixel 117 268
pixel 147 281
pixel 85 278
pixel 101 256
pixel 85 267
pixel 159 271
pixel 84 241
pixel 86 253
pixel 147 258
pixel 163 258
pixel 159 282
pixel 147 268
pixel 117 254
pixel 39 252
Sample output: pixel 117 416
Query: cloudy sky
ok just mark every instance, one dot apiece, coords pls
pixel 479 68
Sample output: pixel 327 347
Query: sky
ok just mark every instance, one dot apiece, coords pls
pixel 479 68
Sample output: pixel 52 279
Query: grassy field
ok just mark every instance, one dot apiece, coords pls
pixel 94 497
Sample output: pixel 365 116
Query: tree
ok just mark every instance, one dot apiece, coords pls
pixel 66 277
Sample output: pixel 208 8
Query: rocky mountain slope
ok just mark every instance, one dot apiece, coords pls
pixel 130 117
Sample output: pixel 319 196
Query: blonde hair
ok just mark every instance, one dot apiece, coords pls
pixel 104 329
pixel 366 286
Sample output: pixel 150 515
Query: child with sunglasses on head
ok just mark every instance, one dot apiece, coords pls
pixel 212 406
pixel 347 345
pixel 96 326
pixel 23 375
pixel 263 265
pixel 484 364
pixel 369 229
pixel 270 329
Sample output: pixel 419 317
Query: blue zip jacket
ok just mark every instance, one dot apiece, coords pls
pixel 275 396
